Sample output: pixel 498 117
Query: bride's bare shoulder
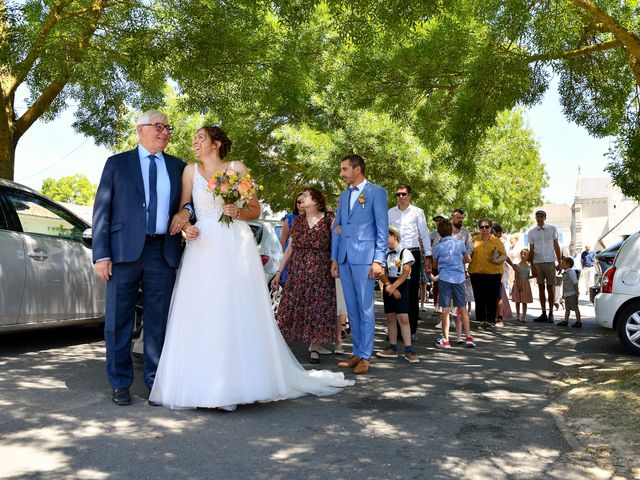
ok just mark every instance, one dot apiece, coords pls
pixel 189 170
pixel 238 166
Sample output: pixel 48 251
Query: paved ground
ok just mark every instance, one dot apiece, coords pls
pixel 458 414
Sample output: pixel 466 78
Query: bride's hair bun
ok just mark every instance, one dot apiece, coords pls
pixel 219 135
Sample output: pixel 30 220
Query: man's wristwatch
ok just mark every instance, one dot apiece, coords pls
pixel 189 208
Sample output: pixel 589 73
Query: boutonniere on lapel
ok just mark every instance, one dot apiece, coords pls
pixel 362 199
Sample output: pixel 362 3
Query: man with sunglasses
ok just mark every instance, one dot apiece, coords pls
pixel 136 219
pixel 412 224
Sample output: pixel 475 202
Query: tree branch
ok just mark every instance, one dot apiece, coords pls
pixel 49 94
pixel 586 50
pixel 22 68
pixel 629 40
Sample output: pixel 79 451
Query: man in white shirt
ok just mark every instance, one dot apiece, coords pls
pixel 544 250
pixel 412 224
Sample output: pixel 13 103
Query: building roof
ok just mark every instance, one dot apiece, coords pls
pixel 592 187
pixel 83 211
pixel 628 225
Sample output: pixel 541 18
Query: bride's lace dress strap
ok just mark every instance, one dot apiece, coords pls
pixel 205 204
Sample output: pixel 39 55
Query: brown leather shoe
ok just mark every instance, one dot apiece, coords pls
pixel 362 366
pixel 349 363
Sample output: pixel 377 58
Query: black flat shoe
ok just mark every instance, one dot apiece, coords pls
pixel 315 359
pixel 121 396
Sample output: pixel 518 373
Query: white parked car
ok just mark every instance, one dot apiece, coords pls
pixel 618 303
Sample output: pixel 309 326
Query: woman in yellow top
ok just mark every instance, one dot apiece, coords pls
pixel 485 270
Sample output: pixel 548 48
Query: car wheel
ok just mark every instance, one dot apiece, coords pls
pixel 628 327
pixel 276 296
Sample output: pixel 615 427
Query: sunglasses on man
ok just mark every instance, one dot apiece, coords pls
pixel 401 194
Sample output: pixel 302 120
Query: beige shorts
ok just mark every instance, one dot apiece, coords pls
pixel 545 271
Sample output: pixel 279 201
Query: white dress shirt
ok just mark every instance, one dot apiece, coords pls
pixel 542 240
pixel 413 226
pixel 355 193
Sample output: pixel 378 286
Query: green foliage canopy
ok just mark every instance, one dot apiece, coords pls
pixel 75 189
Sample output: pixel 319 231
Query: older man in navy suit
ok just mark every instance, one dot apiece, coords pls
pixel 358 254
pixel 135 242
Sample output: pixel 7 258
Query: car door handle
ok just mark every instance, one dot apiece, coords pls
pixel 38 254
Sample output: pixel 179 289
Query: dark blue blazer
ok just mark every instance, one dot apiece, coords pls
pixel 119 211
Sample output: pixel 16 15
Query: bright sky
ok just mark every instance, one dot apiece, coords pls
pixel 54 150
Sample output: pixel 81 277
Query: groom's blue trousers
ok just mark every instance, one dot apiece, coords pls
pixel 358 295
pixel 122 290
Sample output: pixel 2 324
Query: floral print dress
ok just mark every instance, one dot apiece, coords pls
pixel 307 311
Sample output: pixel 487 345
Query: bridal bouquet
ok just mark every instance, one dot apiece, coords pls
pixel 233 188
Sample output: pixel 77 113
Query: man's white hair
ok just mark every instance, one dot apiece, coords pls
pixel 149 115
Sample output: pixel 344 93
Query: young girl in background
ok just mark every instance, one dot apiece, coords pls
pixel 521 291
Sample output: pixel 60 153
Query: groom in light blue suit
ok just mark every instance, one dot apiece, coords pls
pixel 358 254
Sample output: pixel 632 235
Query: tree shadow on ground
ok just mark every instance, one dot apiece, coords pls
pixel 463 413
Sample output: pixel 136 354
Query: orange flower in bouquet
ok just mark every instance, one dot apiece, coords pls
pixel 233 188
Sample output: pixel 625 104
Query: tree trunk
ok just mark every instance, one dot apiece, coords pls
pixel 8 143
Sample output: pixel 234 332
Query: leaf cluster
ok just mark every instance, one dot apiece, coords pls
pixel 75 189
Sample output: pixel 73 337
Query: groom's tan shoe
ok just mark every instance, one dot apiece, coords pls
pixel 362 366
pixel 349 363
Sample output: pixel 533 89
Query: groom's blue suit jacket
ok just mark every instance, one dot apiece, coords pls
pixel 364 231
pixel 119 211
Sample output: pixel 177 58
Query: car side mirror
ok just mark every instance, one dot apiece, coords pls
pixel 87 237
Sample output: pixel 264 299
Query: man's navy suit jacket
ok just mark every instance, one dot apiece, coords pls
pixel 120 210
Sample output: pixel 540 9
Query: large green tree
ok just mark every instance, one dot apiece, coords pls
pixel 100 55
pixel 460 63
pixel 442 70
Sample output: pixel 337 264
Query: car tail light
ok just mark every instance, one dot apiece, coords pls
pixel 265 259
pixel 607 280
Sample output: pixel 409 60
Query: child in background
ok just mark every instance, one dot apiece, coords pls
pixel 521 291
pixel 450 255
pixel 570 292
pixel 395 295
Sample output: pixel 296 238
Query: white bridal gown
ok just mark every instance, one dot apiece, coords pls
pixel 223 346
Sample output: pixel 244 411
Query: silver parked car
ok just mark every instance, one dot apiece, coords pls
pixel 46 271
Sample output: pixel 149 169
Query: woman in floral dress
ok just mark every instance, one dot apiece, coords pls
pixel 307 311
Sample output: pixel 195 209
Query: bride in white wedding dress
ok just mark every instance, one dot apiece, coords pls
pixel 222 346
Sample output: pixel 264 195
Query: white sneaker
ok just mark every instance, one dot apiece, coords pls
pixel 439 325
pixel 460 340
pixel 322 350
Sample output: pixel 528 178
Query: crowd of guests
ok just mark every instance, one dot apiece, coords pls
pixel 458 269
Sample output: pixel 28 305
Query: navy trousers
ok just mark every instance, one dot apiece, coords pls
pixel 157 279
